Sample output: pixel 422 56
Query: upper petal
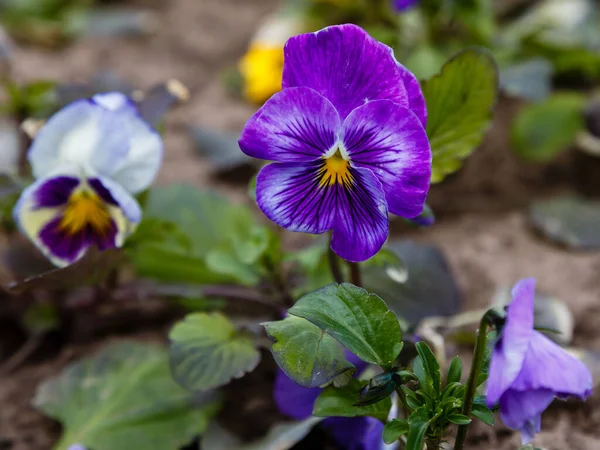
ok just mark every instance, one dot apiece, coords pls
pixel 547 366
pixel 291 196
pixel 346 65
pixel 361 221
pixel 510 349
pixel 293 400
pixel 296 124
pixel 522 410
pixel 390 140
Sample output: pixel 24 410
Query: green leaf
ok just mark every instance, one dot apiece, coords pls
pixel 458 419
pixel 542 130
pixel 359 320
pixel 341 402
pixel 454 371
pixel 430 365
pixel 418 422
pixel 483 413
pixel 412 401
pixel 460 100
pixel 307 354
pixel 124 398
pixel 206 351
pixel 394 430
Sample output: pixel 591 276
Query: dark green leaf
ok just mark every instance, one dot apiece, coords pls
pixel 418 422
pixel 454 371
pixel 421 285
pixel 430 365
pixel 483 413
pixel 124 398
pixel 307 354
pixel 342 403
pixel 460 100
pixel 359 320
pixel 568 221
pixel 540 131
pixel 394 430
pixel 458 419
pixel 206 351
pixel 412 401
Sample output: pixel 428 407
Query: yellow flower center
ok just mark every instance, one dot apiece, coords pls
pixel 335 169
pixel 85 209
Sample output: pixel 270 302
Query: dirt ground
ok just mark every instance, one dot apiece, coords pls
pixel 482 225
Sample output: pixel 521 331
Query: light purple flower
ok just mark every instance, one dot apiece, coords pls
pixel 404 5
pixel 350 433
pixel 348 140
pixel 528 370
pixel 89 159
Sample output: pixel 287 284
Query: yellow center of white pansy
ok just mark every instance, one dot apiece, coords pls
pixel 335 170
pixel 84 209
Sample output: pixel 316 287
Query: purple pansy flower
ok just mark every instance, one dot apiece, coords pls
pixel 528 370
pixel 404 5
pixel 350 433
pixel 347 138
pixel 88 159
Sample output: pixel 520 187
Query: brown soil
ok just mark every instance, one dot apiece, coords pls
pixel 482 226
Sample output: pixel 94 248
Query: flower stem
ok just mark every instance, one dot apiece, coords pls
pixel 334 265
pixel 355 275
pixel 478 357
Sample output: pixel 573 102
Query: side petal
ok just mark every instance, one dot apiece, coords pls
pixel 294 125
pixel 416 100
pixel 344 64
pixel 547 366
pixel 292 400
pixel 522 410
pixel 361 222
pixel 290 195
pixel 356 433
pixel 512 346
pixel 390 141
pixel 83 134
pixel 117 197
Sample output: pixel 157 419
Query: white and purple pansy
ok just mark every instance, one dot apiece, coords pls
pixel 89 159
pixel 347 138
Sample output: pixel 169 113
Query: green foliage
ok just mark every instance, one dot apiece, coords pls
pixel 418 423
pixel 360 321
pixel 483 413
pixel 307 354
pixel 342 402
pixel 460 101
pixel 206 351
pixel 430 376
pixel 454 371
pixel 215 240
pixel 124 398
pixel 394 430
pixel 36 99
pixel 542 130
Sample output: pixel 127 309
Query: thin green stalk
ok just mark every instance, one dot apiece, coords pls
pixel 478 357
pixel 334 265
pixel 355 274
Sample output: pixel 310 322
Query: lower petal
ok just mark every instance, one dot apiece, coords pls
pixel 289 194
pixel 361 224
pixel 293 400
pixel 356 433
pixel 521 410
pixel 390 141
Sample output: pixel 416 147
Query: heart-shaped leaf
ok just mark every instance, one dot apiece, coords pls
pixel 124 398
pixel 460 100
pixel 307 354
pixel 341 402
pixel 206 351
pixel 360 321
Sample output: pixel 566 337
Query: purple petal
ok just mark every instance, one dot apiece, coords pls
pixel 361 223
pixel 68 247
pixel 522 410
pixel 416 100
pixel 296 124
pixel 114 194
pixel 390 141
pixel 346 65
pixel 293 400
pixel 404 5
pixel 509 352
pixel 547 366
pixel 55 192
pixel 290 195
pixel 358 363
pixel 355 433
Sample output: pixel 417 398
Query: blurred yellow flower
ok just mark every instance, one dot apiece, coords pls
pixel 261 68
